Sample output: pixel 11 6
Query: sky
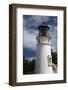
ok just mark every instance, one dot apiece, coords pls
pixel 30 29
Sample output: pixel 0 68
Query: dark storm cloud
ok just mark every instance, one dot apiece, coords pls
pixel 30 24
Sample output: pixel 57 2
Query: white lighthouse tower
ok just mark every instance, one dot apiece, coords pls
pixel 44 58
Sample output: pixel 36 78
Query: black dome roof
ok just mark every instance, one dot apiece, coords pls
pixel 43 26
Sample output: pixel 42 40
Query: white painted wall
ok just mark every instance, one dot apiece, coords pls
pixel 43 51
pixel 4 47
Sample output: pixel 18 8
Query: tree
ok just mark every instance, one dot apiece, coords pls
pixel 54 57
pixel 28 66
pixel 25 66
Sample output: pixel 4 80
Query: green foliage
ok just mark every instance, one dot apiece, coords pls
pixel 54 57
pixel 28 66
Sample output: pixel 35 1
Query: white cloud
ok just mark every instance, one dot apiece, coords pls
pixel 53 34
pixel 40 19
pixel 30 39
pixel 30 34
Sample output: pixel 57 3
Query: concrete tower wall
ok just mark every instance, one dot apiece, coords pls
pixel 43 51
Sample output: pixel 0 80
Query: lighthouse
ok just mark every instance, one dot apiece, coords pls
pixel 44 59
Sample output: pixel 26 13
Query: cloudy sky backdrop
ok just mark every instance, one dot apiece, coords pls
pixel 30 24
